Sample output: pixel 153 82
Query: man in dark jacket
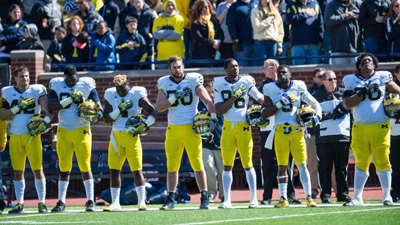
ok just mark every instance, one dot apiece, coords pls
pixel 332 138
pixel 89 17
pixel 109 12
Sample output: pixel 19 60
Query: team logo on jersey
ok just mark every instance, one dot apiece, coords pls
pixel 246 128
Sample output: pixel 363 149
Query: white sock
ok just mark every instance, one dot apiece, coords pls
pixel 89 187
pixel 62 190
pixel 40 185
pixel 141 194
pixel 115 193
pixel 360 178
pixel 227 180
pixel 283 190
pixel 385 178
pixel 305 179
pixel 20 190
pixel 252 181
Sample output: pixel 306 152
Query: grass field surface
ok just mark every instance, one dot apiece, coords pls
pixel 372 213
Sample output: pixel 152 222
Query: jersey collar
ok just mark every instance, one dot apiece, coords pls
pixel 226 78
pixel 290 85
pixel 364 79
pixel 176 82
pixel 20 92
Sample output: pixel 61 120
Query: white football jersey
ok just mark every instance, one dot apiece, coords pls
pixel 12 96
pixel 68 117
pixel 394 128
pixel 286 114
pixel 370 110
pixel 113 98
pixel 183 110
pixel 223 92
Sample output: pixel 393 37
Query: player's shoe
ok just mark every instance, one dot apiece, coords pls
pixel 253 205
pixel 388 202
pixel 169 204
pixel 310 202
pixel 60 207
pixel 90 206
pixel 225 205
pixel 142 207
pixel 283 203
pixel 354 202
pixel 204 201
pixel 112 208
pixel 42 208
pixel 19 208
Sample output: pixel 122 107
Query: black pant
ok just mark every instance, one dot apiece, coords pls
pixel 226 51
pixel 268 161
pixel 330 154
pixel 394 160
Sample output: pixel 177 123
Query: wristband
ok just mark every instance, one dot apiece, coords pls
pixel 114 114
pixel 172 99
pixel 15 109
pixel 47 119
pixel 213 116
pixel 150 120
pixel 66 102
pixel 279 105
pixel 100 113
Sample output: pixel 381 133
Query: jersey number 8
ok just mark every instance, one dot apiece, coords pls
pixel 239 103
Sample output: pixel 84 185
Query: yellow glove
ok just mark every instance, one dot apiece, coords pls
pixel 141 128
pixel 123 106
pixel 77 96
pixel 239 92
pixel 25 103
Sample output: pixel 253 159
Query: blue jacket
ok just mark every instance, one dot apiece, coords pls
pixel 109 12
pixel 239 22
pixel 304 29
pixel 105 50
pixel 215 144
pixel 72 54
pixel 130 55
pixel 12 34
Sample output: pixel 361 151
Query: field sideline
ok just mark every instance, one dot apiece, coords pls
pixel 372 213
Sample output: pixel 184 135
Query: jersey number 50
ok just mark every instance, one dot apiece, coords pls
pixel 184 101
pixel 26 111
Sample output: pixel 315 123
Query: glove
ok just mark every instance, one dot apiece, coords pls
pixel 326 116
pixel 263 123
pixel 373 88
pixel 239 92
pixel 181 93
pixel 26 103
pixel 95 117
pixel 42 128
pixel 339 111
pixel 77 97
pixel 285 100
pixel 212 123
pixel 314 121
pixel 140 128
pixel 123 106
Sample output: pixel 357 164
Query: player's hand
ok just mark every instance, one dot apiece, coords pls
pixel 339 111
pixel 77 97
pixel 123 106
pixel 314 122
pixel 239 92
pixel 285 100
pixel 263 123
pixel 95 117
pixel 140 128
pixel 212 123
pixel 363 92
pixel 42 128
pixel 26 103
pixel 181 93
pixel 373 88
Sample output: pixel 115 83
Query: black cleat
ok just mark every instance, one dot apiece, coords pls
pixel 294 200
pixel 266 202
pixel 90 206
pixel 19 208
pixel 60 207
pixel 169 204
pixel 326 200
pixel 204 201
pixel 42 208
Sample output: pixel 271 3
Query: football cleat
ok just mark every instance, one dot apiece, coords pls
pixel 19 208
pixel 305 116
pixel 225 205
pixel 266 202
pixel 112 208
pixel 283 203
pixel 204 200
pixel 142 207
pixel 310 202
pixel 391 106
pixel 42 208
pixel 294 200
pixel 253 117
pixel 87 110
pixel 201 125
pixel 388 203
pixel 354 202
pixel 60 207
pixel 169 204
pixel 253 205
pixel 90 206
pixel 37 125
pixel 326 200
pixel 136 125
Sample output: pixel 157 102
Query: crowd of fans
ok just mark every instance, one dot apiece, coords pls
pixel 104 33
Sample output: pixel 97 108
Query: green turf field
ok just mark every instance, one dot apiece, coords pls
pixel 375 214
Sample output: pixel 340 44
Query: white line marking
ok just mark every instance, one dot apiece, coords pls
pixel 36 222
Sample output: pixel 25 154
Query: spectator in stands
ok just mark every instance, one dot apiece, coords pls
pixel 11 31
pixel 27 8
pixel 268 30
pixel 341 18
pixel 183 6
pixel 156 5
pixel 72 50
pixel 47 15
pixel 54 50
pixel 130 45
pixel 31 39
pixel 395 146
pixel 286 37
pixel 71 7
pixel 332 138
pixel 225 48
pixel 102 46
pixel 145 16
pixel 3 143
pixel 109 12
pixel 5 6
pixel 241 31
pixel 392 28
pixel 168 30
pixel 307 29
pixel 371 19
pixel 89 17
pixel 206 34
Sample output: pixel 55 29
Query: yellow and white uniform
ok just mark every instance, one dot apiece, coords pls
pixel 73 133
pixel 236 131
pixel 127 145
pixel 180 133
pixel 3 129
pixel 288 135
pixel 371 127
pixel 20 147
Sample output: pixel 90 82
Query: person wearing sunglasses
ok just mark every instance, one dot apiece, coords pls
pixel 332 138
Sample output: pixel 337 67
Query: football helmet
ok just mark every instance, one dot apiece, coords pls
pixel 305 116
pixel 391 106
pixel 37 126
pixel 253 117
pixel 134 122
pixel 87 110
pixel 201 126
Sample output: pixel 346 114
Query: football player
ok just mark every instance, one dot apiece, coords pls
pixel 179 93
pixel 20 103
pixel 364 94
pixel 73 132
pixel 231 99
pixel 122 102
pixel 3 142
pixel 282 99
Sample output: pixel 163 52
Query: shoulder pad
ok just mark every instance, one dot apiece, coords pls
pixel 162 81
pixel 347 79
pixel 249 80
pixel 109 92
pixel 217 82
pixel 90 82
pixel 197 78
pixel 299 84
pixel 5 91
pixel 55 82
pixel 139 91
pixel 39 89
pixel 385 76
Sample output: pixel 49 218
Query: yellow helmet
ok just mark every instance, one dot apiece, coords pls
pixel 304 116
pixel 391 106
pixel 34 123
pixel 133 122
pixel 200 124
pixel 87 109
pixel 253 117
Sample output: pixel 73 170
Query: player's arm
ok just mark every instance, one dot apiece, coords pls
pixel 222 107
pixel 308 98
pixel 107 110
pixel 268 108
pixel 163 103
pixel 43 102
pixel 5 112
pixel 149 108
pixel 95 98
pixel 3 134
pixel 351 100
pixel 203 95
pixel 392 87
pixel 54 105
pixel 253 92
